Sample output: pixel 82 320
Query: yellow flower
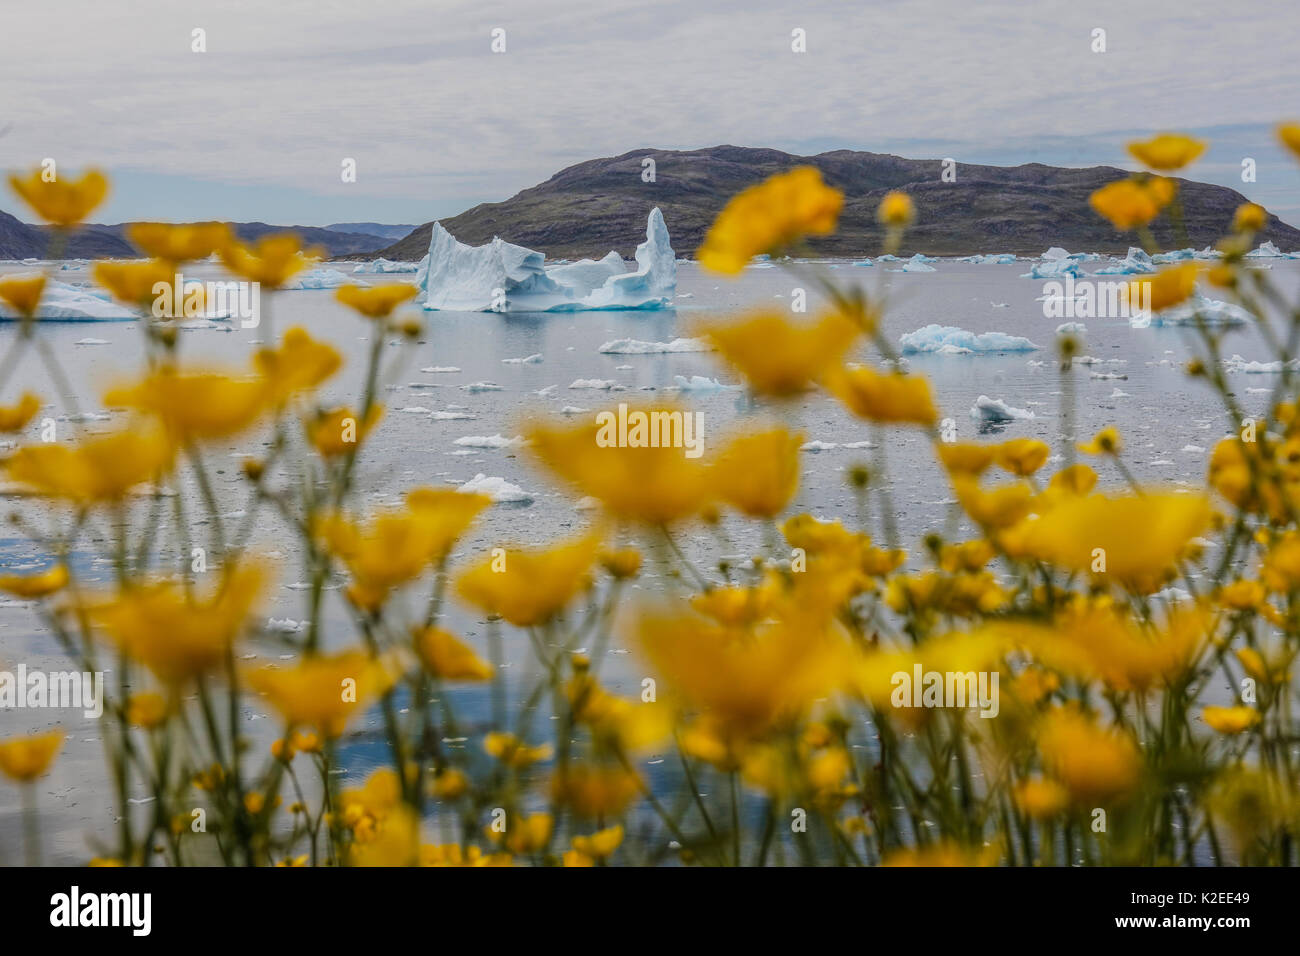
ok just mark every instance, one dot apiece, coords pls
pixel 339 431
pixel 300 364
pixel 758 474
pixel 1242 595
pixel 888 398
pixel 512 751
pixel 527 587
pixel 23 759
pixel 1249 218
pixel 965 458
pixel 779 357
pixel 1041 799
pixel 654 485
pixel 376 303
pixel 397 546
pixel 100 468
pixel 944 853
pixel 35 585
pixel 324 691
pixel 448 658
pixel 451 854
pixel 1231 720
pixel 1166 288
pixel 1132 539
pixel 1022 456
pixel 1105 442
pixel 176 635
pixel 529 834
pixel 450 784
pixel 770 217
pixel 1166 152
pixel 133 283
pixel 1289 134
pixel 1128 204
pixel 622 564
pixel 1076 480
pixel 596 792
pixel 272 261
pixel 14 418
pixel 998 507
pixel 572 859
pixel 195 405
pixel 183 243
pixel 1094 764
pixel 896 209
pixel 23 293
pixel 62 202
pixel 600 844
pixel 393 842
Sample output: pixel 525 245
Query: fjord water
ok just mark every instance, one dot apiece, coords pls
pixel 1169 423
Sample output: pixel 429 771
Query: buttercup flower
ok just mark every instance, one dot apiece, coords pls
pixel 23 759
pixel 896 209
pixel 184 243
pixel 1128 204
pixel 14 418
pixel 324 691
pixel 62 201
pixel 889 398
pixel 31 586
pixel 1166 152
pixel 1231 720
pixel 378 302
pixel 23 293
pixel 758 473
pixel 780 357
pixel 101 468
pixel 272 261
pixel 533 586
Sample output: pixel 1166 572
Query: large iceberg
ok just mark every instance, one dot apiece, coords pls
pixel 949 340
pixel 69 303
pixel 1268 251
pixel 503 277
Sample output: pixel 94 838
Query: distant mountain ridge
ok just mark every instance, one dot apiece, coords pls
pixel 19 240
pixel 601 204
pixel 380 229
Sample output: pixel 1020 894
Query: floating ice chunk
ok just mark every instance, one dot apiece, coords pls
pixel 439 369
pixel 1052 269
pixel 1268 251
pixel 498 489
pixel 534 359
pixel 700 383
pixel 284 625
pixel 988 409
pixel 69 303
pixel 817 445
pixel 501 276
pixel 1239 364
pixel 1212 312
pixel 491 441
pixel 638 347
pixel 573 410
pixel 1071 328
pixel 602 384
pixel 1194 449
pixel 865 263
pixel 482 387
pixel 936 338
pixel 321 279
pixel 441 416
pixel 1054 254
pixel 382 265
pixel 416 410
pixel 91 342
pixel 1119 394
pixel 1137 262
pixel 918 264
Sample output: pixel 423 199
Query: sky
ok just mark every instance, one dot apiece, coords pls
pixel 258 126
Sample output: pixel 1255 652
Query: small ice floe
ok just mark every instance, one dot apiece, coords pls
pixel 490 441
pixel 573 410
pixel 89 341
pixel 1239 364
pixel 439 369
pixel 449 416
pixel 918 263
pixel 1106 376
pixel 994 410
pixel 321 279
pixel 415 410
pixel 700 383
pixel 998 305
pixel 863 262
pixel 1194 449
pixel 817 445
pixel 1117 393
pixel 624 368
pixel 534 359
pixel 547 390
pixel 948 339
pixel 286 625
pixel 1197 310
pixel 85 417
pixel 1071 328
pixel 640 347
pixel 1259 391
pixel 599 384
pixel 498 489
pixel 482 387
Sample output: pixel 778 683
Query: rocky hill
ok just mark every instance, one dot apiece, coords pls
pixel 601 204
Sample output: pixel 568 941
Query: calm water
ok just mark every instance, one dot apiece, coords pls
pixel 1169 423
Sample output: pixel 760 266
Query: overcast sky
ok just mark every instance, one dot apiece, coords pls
pixel 257 127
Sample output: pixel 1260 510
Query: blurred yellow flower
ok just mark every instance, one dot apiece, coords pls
pixel 758 474
pixel 1289 134
pixel 965 458
pixel 528 587
pixel 896 209
pixel 595 791
pixel 180 636
pixel 1105 442
pixel 99 468
pixel 1166 288
pixel 23 759
pixel 179 243
pixel 61 202
pixel 339 431
pixel 448 658
pixel 299 364
pixel 1249 217
pixel 451 854
pixel 512 751
pixel 195 405
pixel 1128 204
pixel 1041 799
pixel 889 398
pixel 529 834
pixel 621 564
pixel 1094 764
pixel 1167 151
pixel 780 357
pixel 944 853
pixel 323 691
pixel 770 217
pixel 133 283
pixel 1021 456
pixel 23 293
pixel 40 585
pixel 14 418
pixel 1231 720
pixel 601 844
pixel 377 302
pixel 995 508
pixel 272 261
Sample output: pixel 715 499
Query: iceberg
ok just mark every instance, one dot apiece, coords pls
pixel 1055 253
pixel 69 303
pixel 1268 251
pixel 1053 268
pixel 1071 328
pixel 994 410
pixel 947 339
pixel 1213 312
pixel 320 279
pixel 496 488
pixel 638 347
pixel 1239 364
pixel 992 259
pixel 700 383
pixel 385 266
pixel 1137 262
pixel 918 264
pixel 503 277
